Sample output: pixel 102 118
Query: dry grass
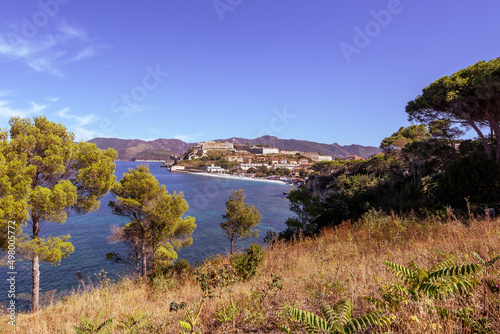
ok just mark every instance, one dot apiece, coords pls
pixel 347 262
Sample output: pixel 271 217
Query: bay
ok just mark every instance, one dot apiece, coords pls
pixel 206 197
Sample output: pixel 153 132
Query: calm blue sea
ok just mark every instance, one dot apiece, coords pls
pixel 206 197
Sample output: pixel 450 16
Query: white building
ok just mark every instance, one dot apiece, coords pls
pixel 263 150
pixel 215 169
pixel 324 158
pixel 247 166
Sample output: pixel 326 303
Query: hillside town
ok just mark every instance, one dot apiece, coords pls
pixel 248 160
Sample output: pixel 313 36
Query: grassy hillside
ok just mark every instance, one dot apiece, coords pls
pixel 342 264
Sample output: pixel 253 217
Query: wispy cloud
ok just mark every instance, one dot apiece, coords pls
pixel 52 99
pixel 85 53
pixel 76 124
pixel 85 134
pixel 45 51
pixel 71 31
pixel 8 111
pixel 80 120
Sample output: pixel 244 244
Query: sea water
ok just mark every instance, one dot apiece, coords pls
pixel 206 197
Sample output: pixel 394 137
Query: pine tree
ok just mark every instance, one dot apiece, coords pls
pixel 157 226
pixel 241 218
pixel 44 174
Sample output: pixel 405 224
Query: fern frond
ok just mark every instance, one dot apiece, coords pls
pixel 396 290
pixel 479 258
pixel 454 286
pixel 463 270
pixel 379 304
pixel 442 265
pixel 309 319
pixel 368 320
pixel 185 325
pixel 400 271
pixel 329 313
pixel 284 328
pixel 492 261
pixel 419 274
pixel 344 309
pixel 461 314
pixel 104 324
pixel 78 330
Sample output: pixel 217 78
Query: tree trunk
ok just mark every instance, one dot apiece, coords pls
pixel 144 260
pixel 233 242
pixel 495 129
pixel 484 140
pixel 35 272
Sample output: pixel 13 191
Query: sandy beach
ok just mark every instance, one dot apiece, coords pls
pixel 226 176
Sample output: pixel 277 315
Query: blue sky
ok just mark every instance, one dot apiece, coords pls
pixel 327 71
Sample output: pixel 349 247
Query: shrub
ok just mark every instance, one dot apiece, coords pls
pixel 473 177
pixel 246 264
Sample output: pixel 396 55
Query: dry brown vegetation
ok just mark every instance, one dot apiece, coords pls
pixel 346 262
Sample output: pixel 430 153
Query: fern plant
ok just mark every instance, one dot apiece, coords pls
pixel 137 323
pixel 88 326
pixel 192 318
pixel 443 279
pixel 336 319
pixel 492 283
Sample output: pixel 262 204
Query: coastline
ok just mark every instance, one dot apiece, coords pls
pixel 225 176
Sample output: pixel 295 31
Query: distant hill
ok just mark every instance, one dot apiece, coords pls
pixel 335 150
pixel 129 149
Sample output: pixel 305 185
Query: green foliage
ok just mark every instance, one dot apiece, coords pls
pixel 246 265
pixel 192 318
pixel 228 165
pixel 157 225
pixel 308 208
pixel 469 97
pixel 405 136
pixel 255 307
pixel 138 323
pixel 50 249
pixel 88 326
pixel 44 175
pixel 473 177
pixel 241 219
pixel 444 279
pixel 431 288
pixel 336 319
pixel 327 167
pixel 182 267
pixel 214 279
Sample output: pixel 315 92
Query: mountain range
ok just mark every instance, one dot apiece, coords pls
pixel 159 149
